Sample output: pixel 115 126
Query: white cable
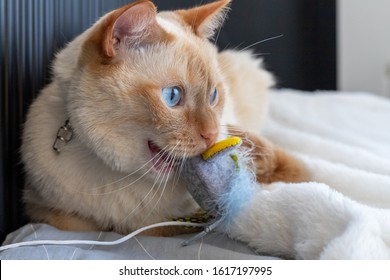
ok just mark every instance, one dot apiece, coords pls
pixel 94 242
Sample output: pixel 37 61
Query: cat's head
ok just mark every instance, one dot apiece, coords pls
pixel 141 84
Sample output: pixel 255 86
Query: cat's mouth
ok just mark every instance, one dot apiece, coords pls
pixel 162 160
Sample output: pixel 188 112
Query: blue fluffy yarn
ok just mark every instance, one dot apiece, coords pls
pixel 241 187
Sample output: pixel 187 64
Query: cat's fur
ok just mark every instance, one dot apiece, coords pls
pixel 108 83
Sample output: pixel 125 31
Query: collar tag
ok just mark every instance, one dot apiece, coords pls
pixel 64 135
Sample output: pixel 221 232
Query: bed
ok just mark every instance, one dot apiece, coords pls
pixel 343 139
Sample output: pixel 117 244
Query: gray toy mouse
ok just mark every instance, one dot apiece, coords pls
pixel 214 179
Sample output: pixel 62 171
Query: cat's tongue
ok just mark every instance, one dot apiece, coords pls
pixel 161 160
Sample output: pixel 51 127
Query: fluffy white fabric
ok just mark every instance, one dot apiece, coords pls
pixel 344 140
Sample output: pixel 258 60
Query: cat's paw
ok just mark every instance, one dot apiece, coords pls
pixel 271 164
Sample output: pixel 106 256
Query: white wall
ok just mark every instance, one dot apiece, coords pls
pixel 364 46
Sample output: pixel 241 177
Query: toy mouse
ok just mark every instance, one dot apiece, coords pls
pixel 219 180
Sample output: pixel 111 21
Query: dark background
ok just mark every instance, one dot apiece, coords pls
pixel 303 56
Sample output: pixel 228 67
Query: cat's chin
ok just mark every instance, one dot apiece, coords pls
pixel 162 161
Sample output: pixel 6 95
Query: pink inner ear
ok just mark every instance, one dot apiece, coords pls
pixel 134 25
pixel 133 22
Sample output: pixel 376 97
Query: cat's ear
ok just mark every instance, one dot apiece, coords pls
pixel 131 26
pixel 206 19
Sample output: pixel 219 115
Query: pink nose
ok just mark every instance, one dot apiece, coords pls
pixel 209 137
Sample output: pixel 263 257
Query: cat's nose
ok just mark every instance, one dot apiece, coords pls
pixel 209 137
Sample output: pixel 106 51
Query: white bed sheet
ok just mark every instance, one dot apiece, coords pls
pixel 215 246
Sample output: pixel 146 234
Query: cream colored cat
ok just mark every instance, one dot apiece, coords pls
pixel 141 91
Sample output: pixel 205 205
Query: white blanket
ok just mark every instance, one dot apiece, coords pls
pixel 344 140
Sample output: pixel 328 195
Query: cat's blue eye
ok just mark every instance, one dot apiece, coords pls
pixel 172 95
pixel 213 96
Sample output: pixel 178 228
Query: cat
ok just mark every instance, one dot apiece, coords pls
pixel 130 99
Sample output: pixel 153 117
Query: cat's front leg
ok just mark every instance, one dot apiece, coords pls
pixel 272 164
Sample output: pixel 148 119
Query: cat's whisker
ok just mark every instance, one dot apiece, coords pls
pixel 178 166
pixel 237 48
pixel 158 156
pixel 261 41
pixel 228 64
pixel 147 196
pixel 180 169
pixel 143 199
pixel 164 181
pixel 150 210
pixel 132 173
pixel 232 133
pixel 139 169
pixel 260 54
pixel 226 47
pixel 242 134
